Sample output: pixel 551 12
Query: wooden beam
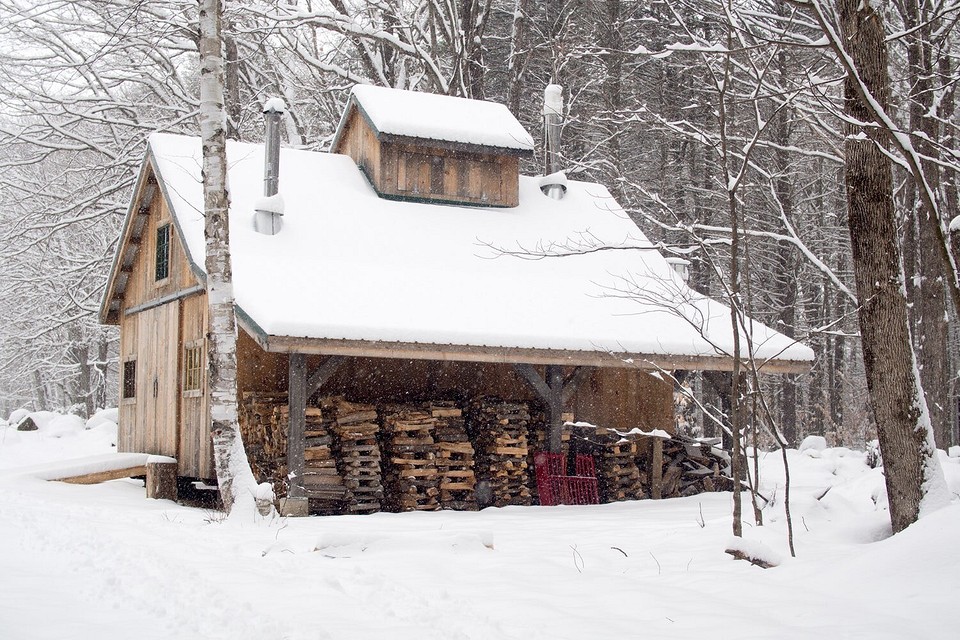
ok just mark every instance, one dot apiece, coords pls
pixel 532 378
pixel 103 476
pixel 324 372
pixel 150 304
pixel 570 386
pixel 296 441
pixel 512 355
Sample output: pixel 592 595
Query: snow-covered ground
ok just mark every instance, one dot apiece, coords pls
pixel 102 562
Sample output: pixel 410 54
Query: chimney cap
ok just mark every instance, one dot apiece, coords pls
pixel 275 105
pixel 553 100
pixel 554 185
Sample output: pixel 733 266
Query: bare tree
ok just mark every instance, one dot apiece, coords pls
pixel 912 471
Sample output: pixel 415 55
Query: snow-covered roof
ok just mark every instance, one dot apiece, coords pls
pixel 438 117
pixel 350 266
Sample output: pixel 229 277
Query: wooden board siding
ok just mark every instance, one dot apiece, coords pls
pixel 625 398
pixel 195 457
pixel 128 407
pixel 360 143
pixel 152 336
pixel 424 172
pixel 418 170
pixel 259 370
pixel 143 286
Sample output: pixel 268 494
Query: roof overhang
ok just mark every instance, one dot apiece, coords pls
pixel 503 355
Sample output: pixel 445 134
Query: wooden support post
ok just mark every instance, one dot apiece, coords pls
pixel 555 392
pixel 555 408
pixel 161 480
pixel 297 403
pixel 656 470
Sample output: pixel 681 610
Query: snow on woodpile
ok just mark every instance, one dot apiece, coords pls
pixel 350 265
pixel 439 117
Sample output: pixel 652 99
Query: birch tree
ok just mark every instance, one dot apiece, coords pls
pixel 238 488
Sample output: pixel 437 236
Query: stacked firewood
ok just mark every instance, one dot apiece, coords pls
pixel 322 481
pixel 454 458
pixel 410 471
pixel 355 431
pixel 692 466
pixel 615 457
pixel 264 433
pixel 498 431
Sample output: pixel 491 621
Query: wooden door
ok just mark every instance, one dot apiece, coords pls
pixel 158 337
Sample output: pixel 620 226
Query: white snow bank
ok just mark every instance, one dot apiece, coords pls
pixel 103 553
pixel 428 542
pixel 754 550
pixel 57 437
pixel 813 443
pixel 104 416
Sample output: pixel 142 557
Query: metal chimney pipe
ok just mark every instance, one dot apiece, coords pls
pixel 269 214
pixel 552 119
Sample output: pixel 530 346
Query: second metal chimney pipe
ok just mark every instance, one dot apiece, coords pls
pixel 272 115
pixel 268 217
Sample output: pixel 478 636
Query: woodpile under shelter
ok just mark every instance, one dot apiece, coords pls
pixel 422 322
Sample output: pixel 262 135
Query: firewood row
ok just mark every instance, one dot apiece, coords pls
pixel 264 435
pixel 692 466
pixel 355 433
pixel 625 463
pixel 498 431
pixel 434 455
pixel 615 458
pixel 322 482
pixel 455 458
pixel 410 459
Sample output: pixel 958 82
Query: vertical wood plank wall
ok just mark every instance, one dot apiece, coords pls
pixel 154 337
pixel 419 170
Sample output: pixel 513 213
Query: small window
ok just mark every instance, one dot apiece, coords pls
pixel 163 252
pixel 129 379
pixel 192 367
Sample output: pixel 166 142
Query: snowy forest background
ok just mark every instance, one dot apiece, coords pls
pixel 665 101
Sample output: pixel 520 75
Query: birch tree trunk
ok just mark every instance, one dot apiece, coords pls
pixel 913 476
pixel 238 489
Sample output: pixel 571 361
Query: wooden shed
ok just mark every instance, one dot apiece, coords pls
pixel 416 265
